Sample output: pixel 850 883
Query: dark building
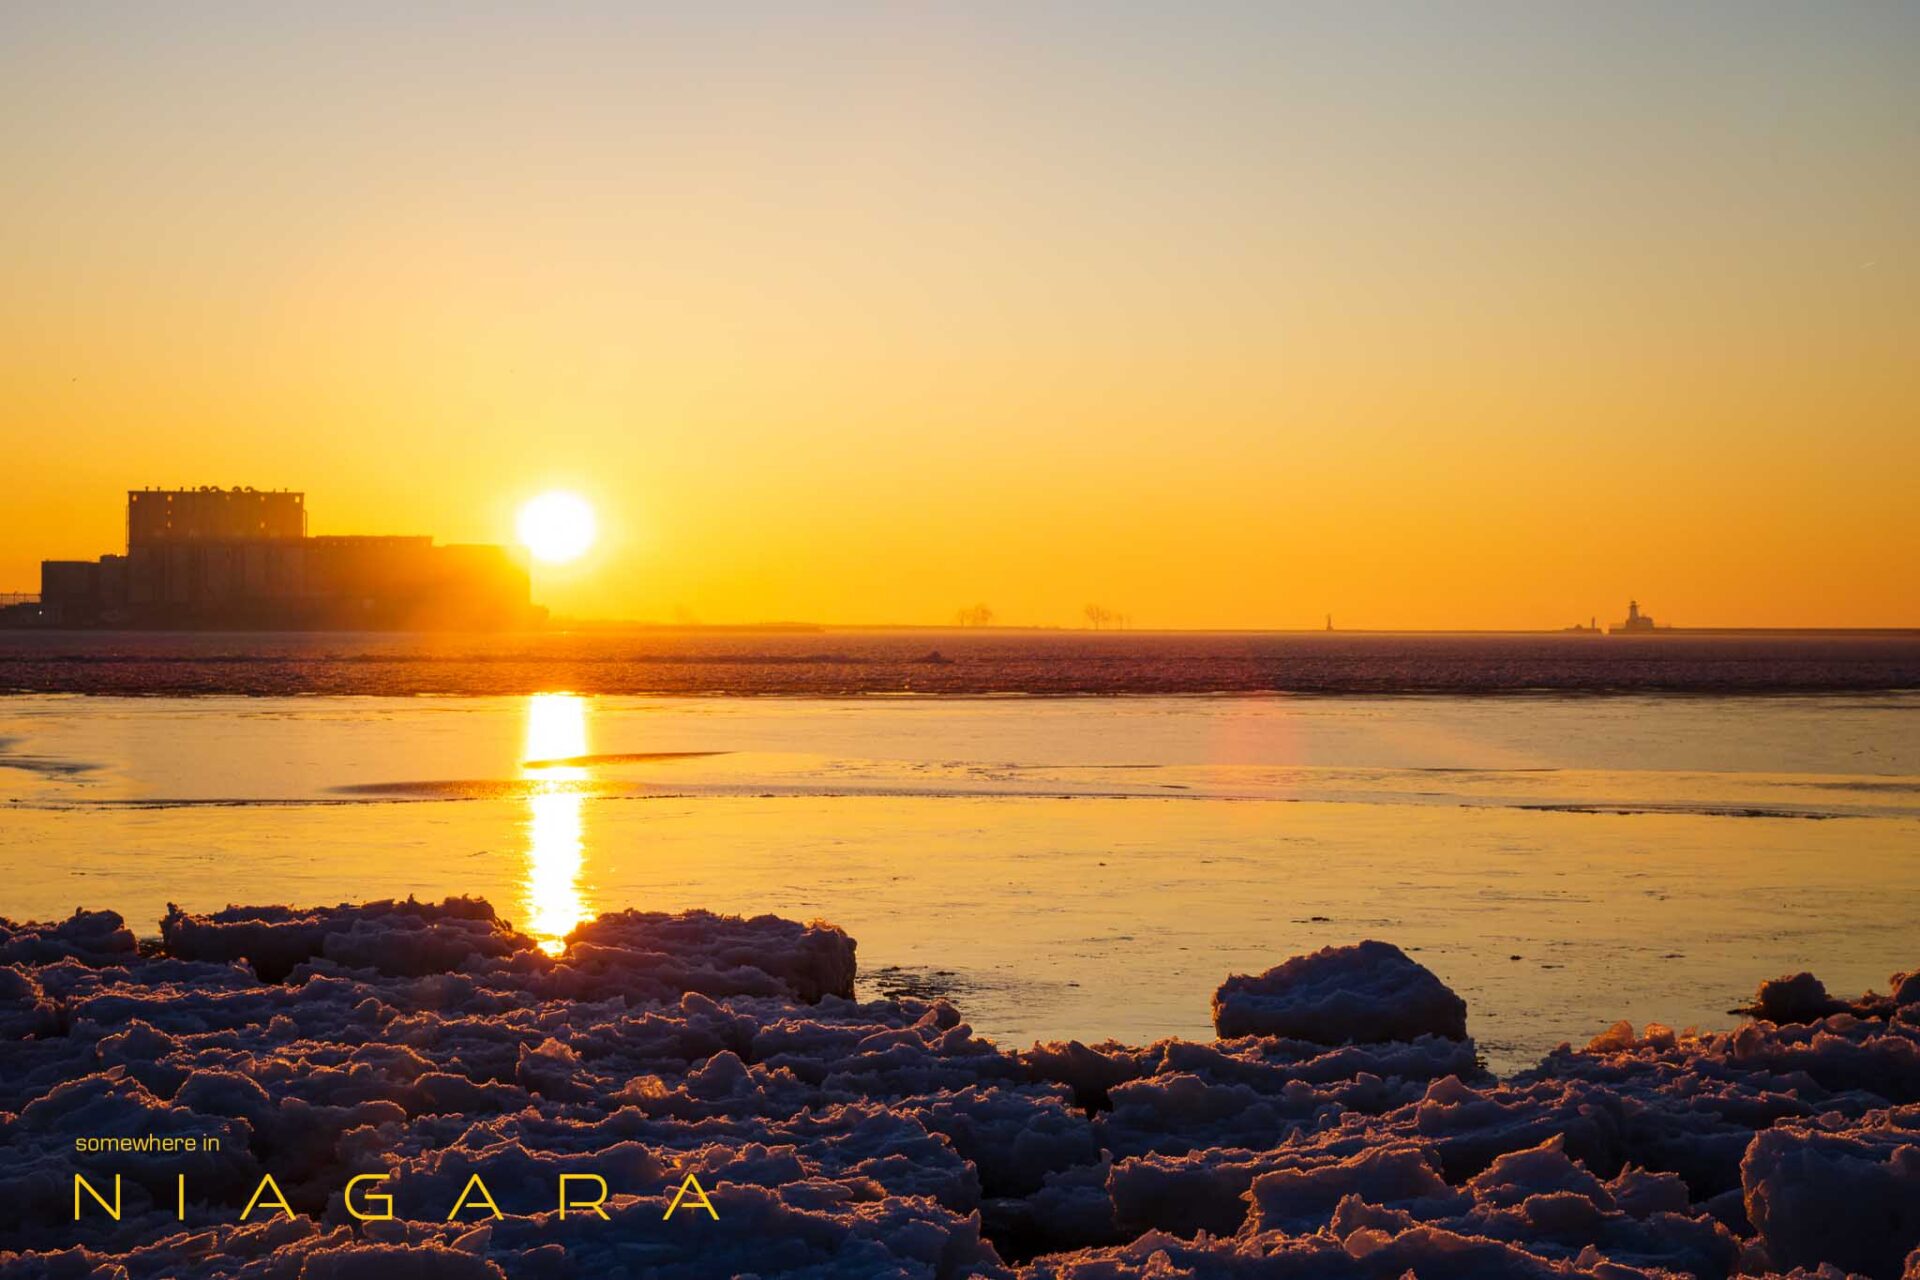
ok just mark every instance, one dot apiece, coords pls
pixel 193 515
pixel 241 559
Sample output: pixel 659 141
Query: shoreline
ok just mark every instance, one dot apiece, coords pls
pixel 924 665
pixel 1343 1126
pixel 590 627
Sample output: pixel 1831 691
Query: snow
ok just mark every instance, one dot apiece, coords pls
pixel 1365 993
pixel 1340 1127
pixel 1845 1191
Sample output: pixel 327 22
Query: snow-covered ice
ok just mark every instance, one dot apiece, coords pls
pixel 1370 992
pixel 1341 1127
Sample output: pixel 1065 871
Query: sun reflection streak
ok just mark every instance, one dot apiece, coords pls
pixel 556 730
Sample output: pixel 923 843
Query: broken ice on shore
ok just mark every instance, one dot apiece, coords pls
pixel 1341 1126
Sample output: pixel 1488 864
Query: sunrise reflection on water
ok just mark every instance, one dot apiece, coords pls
pixel 1094 866
pixel 552 898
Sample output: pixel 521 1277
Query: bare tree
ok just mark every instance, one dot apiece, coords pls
pixel 974 615
pixel 1101 618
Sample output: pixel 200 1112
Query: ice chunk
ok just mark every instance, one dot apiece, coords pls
pixel 24 1007
pixel 397 1262
pixel 885 1138
pixel 1798 997
pixel 91 937
pixel 1301 1200
pixel 1838 1192
pixel 403 938
pixel 1365 993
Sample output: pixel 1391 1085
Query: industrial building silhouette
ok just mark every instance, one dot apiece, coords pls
pixel 212 558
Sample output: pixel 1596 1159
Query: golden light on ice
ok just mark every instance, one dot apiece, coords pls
pixel 557 526
pixel 556 730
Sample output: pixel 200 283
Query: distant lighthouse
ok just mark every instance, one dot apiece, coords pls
pixel 1636 620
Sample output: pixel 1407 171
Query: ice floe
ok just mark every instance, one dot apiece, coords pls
pixel 342 1059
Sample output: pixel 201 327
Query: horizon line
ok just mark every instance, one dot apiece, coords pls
pixel 561 623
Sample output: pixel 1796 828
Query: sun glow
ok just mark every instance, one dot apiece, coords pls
pixel 557 526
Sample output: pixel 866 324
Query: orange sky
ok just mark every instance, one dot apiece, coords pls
pixel 1221 318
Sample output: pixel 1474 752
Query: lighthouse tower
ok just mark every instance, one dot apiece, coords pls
pixel 1636 620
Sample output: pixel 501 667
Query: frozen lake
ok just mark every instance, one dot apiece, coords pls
pixel 1085 867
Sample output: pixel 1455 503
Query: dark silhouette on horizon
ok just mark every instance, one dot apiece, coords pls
pixel 241 559
pixel 1637 623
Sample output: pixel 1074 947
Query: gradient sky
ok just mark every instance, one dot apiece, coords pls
pixel 1220 315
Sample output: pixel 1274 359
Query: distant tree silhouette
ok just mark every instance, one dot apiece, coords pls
pixel 1101 618
pixel 974 615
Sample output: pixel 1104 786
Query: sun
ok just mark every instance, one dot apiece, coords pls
pixel 557 527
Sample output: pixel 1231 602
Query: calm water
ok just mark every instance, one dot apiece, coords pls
pixel 1086 867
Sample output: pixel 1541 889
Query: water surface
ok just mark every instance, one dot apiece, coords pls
pixel 1065 867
